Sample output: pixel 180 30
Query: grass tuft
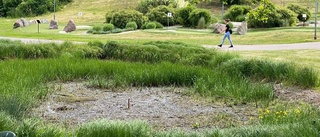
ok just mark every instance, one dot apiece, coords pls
pixel 105 128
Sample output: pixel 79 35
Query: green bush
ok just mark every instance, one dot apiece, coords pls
pixel 201 23
pixel 289 17
pixel 97 28
pixel 131 25
pixel 108 27
pixel 118 30
pixel 196 15
pixel 158 25
pixel 151 25
pixel 122 17
pixel 159 14
pixel 299 10
pixel 145 6
pixel 183 15
pixel 237 12
pixel 264 16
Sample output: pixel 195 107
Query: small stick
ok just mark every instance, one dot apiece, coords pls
pixel 128 103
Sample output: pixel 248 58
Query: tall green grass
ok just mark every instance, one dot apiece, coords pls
pixel 108 128
pixel 266 70
pixel 208 72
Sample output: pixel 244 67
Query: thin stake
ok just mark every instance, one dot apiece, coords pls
pixel 128 103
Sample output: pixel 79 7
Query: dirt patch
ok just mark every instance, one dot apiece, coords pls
pixel 296 94
pixel 164 108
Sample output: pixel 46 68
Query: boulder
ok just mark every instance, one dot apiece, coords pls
pixel 44 21
pixel 217 28
pixel 53 24
pixel 242 29
pixel 17 24
pixel 70 27
pixel 25 22
pixel 32 22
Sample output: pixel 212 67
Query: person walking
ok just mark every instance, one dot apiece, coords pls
pixel 227 33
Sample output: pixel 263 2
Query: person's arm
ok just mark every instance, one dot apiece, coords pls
pixel 223 30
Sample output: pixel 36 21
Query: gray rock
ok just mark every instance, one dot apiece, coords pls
pixel 32 22
pixel 70 27
pixel 44 21
pixel 17 24
pixel 25 22
pixel 217 28
pixel 53 24
pixel 242 28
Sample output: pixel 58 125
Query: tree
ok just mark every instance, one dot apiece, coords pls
pixel 299 10
pixel 183 15
pixel 160 14
pixel 2 9
pixel 18 8
pixel 146 5
pixel 265 15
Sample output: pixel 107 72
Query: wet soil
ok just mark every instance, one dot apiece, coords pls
pixel 164 108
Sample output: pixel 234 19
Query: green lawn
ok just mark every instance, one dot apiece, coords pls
pixel 200 37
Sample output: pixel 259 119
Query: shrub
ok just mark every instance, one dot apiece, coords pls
pixel 151 25
pixel 90 31
pixel 145 5
pixel 237 12
pixel 201 23
pixel 159 14
pixel 299 10
pixel 158 25
pixel 108 27
pixel 122 17
pixel 264 16
pixel 183 15
pixel 97 28
pixel 131 26
pixel 118 30
pixel 289 17
pixel 197 14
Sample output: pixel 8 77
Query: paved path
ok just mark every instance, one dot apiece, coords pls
pixel 311 45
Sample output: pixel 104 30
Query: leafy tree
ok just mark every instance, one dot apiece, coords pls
pixel 160 14
pixel 237 12
pixel 34 7
pixel 196 15
pixel 10 7
pixel 18 8
pixel 146 5
pixel 2 9
pixel 299 10
pixel 122 17
pixel 183 15
pixel 288 16
pixel 264 15
pixel 226 2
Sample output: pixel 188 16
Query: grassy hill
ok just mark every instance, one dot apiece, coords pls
pixel 93 11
